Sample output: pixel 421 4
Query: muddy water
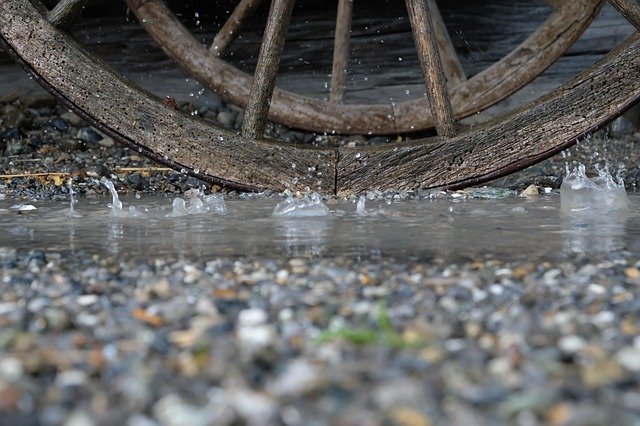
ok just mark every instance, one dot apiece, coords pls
pixel 513 228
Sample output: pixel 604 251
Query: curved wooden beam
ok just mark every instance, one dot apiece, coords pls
pixel 142 122
pixel 507 143
pixel 500 146
pixel 495 83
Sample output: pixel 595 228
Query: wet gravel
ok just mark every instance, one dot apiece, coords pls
pixel 90 340
pixel 42 145
pixel 302 341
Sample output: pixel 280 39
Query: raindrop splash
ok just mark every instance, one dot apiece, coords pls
pixel 601 194
pixel 116 204
pixel 310 205
pixel 360 207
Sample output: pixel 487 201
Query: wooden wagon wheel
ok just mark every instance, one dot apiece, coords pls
pixel 499 146
pixel 528 60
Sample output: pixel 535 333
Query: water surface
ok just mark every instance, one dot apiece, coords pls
pixel 452 229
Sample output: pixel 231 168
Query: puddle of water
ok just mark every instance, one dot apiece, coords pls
pixel 512 228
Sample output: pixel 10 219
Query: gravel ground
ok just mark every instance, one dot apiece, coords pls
pixel 100 340
pixel 302 342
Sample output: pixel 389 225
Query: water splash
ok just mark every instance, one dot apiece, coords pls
pixel 198 204
pixel 116 204
pixel 215 203
pixel 361 206
pixel 310 205
pixel 601 194
pixel 72 201
pixel 179 208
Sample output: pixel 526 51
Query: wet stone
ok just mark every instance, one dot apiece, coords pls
pixel 10 134
pixel 16 147
pixel 89 135
pixel 72 144
pixel 226 119
pixel 106 143
pixel 98 171
pixel 58 124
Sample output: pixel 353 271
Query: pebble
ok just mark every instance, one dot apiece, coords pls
pixel 60 124
pixel 98 171
pixel 226 119
pixel 71 118
pixel 106 142
pixel 11 370
pixel 89 135
pixel 571 344
pixel 629 358
pixel 299 377
pixel 530 191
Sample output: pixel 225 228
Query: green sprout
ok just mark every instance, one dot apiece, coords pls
pixel 382 334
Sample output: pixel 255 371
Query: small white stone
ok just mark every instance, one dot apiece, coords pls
pixel 87 299
pixel 78 418
pixel 251 317
pixel 597 289
pixel 299 376
pixel 71 378
pixel 629 358
pixel 255 408
pixel 256 337
pixel 282 276
pixel 11 369
pixel 604 318
pixel 571 344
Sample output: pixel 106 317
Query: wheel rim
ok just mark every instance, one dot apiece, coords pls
pixel 502 145
pixel 484 89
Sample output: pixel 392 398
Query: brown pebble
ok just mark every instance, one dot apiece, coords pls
pixel 147 317
pixel 632 273
pixel 530 191
pixel 406 416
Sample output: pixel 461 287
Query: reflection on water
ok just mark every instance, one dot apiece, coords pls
pixel 303 237
pixel 594 234
pixel 451 229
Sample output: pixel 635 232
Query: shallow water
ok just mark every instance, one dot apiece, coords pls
pixel 513 228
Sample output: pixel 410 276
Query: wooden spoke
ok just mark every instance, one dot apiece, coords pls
pixel 450 61
pixel 65 11
pixel 264 79
pixel 229 30
pixel 341 49
pixel 429 56
pixel 480 91
pixel 502 145
pixel 630 9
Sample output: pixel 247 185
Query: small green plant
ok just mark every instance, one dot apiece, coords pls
pixel 382 334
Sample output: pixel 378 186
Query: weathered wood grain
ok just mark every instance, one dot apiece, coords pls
pixel 424 37
pixel 341 49
pixel 264 79
pixel 507 143
pixel 510 73
pixel 502 145
pixel 65 11
pixel 450 61
pixel 142 122
pixel 630 9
